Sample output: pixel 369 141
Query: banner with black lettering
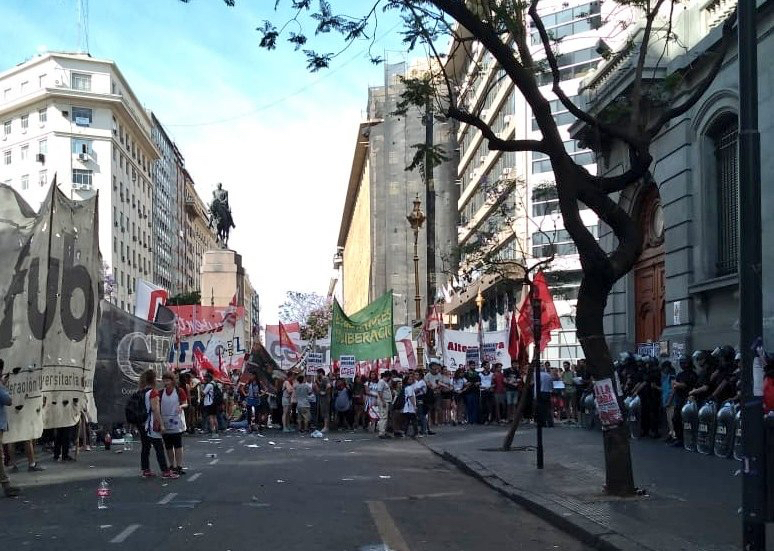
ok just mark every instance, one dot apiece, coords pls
pixel 128 346
pixel 49 279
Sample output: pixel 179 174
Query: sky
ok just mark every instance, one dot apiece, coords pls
pixel 279 138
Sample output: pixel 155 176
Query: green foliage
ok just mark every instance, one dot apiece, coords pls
pixel 435 153
pixel 190 298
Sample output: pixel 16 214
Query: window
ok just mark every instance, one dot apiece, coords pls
pixel 43 147
pixel 724 141
pixel 43 178
pixel 42 81
pixel 25 122
pixel 79 81
pixel 571 65
pixel 82 178
pixel 541 163
pixel 42 115
pixel 82 116
pixel 25 181
pixel 6 128
pixel 558 242
pixel 25 86
pixel 545 200
pixel 25 152
pixel 7 157
pixel 81 146
pixel 7 94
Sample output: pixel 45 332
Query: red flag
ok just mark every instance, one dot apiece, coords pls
pixel 202 362
pixel 285 341
pixel 549 319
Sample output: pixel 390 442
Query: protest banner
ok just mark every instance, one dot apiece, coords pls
pixel 652 349
pixel 607 403
pixel 285 356
pixel 456 344
pixel 127 346
pixel 314 361
pixel 347 367
pixel 489 352
pixel 367 334
pixel 221 343
pixel 49 282
pixel 472 354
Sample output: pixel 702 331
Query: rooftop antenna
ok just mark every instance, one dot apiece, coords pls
pixel 82 7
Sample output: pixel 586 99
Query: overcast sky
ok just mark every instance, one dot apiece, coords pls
pixel 279 138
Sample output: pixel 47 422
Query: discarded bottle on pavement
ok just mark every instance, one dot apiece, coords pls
pixel 103 493
pixel 128 439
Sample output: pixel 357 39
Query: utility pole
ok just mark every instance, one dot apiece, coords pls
pixel 415 219
pixel 750 292
pixel 427 119
pixel 537 329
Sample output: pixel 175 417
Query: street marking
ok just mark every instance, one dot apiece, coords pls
pixel 214 461
pixel 167 498
pixel 194 477
pixel 385 525
pixel 229 450
pixel 128 531
pixel 423 496
pixel 242 441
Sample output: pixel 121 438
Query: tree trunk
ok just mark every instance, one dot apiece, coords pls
pixel 519 413
pixel 592 299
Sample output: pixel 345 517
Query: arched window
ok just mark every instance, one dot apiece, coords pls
pixel 724 139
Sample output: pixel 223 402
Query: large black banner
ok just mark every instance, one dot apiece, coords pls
pixel 128 346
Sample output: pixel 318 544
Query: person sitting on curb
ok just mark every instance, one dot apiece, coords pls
pixel 5 400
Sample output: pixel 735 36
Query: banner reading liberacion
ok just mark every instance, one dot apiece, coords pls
pixel 367 334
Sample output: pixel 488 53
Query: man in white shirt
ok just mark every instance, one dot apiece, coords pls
pixel 383 403
pixel 410 405
pixel 487 393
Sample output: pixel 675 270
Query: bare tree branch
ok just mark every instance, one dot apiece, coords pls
pixel 636 92
pixel 495 143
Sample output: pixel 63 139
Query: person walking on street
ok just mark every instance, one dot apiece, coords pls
pixel 487 394
pixel 322 388
pixel 172 404
pixel 498 383
pixel 208 401
pixel 545 417
pixel 383 403
pixel 302 391
pixel 5 400
pixel 471 391
pixel 152 429
pixel 287 403
pixel 410 405
pixel 570 402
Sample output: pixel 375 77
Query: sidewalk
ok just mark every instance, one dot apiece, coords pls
pixel 692 501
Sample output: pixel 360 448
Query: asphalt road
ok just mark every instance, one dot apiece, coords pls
pixel 350 492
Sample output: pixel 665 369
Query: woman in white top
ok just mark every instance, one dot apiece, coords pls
pixel 458 402
pixel 287 401
pixel 172 403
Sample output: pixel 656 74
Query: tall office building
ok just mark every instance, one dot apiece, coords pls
pixel 74 117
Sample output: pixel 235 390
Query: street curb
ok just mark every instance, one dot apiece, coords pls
pixel 578 526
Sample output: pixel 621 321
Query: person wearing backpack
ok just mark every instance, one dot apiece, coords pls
pixel 152 429
pixel 209 401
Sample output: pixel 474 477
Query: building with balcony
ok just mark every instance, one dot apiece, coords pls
pixel 508 203
pixel 168 232
pixel 74 117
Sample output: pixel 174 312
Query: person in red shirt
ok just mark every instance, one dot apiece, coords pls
pixel 498 382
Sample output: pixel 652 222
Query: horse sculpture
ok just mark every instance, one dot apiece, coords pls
pixel 221 215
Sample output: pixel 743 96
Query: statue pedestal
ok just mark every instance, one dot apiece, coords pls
pixel 222 277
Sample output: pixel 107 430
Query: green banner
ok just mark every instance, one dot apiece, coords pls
pixel 367 334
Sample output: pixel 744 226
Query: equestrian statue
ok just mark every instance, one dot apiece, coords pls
pixel 220 214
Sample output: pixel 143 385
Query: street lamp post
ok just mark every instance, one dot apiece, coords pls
pixel 416 218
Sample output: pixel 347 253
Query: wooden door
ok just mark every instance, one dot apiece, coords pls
pixel 649 301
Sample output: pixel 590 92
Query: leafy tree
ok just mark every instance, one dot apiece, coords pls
pixel 503 28
pixel 312 311
pixel 189 298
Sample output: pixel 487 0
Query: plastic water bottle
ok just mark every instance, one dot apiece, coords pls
pixel 128 440
pixel 103 493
